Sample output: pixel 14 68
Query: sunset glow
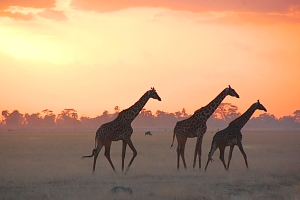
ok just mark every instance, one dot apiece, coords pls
pixel 94 55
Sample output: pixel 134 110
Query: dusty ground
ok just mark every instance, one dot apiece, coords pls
pixel 48 165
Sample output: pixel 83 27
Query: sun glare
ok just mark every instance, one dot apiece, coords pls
pixel 21 45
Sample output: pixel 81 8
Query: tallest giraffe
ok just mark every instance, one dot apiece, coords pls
pixel 195 126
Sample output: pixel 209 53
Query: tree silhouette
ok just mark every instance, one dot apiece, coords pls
pixel 34 119
pixel 263 121
pixel 297 115
pixel 226 112
pixel 183 113
pixel 14 119
pixel 117 109
pixel 49 118
pixel 5 114
pixel 68 117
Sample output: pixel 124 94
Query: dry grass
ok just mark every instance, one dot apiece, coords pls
pixel 48 165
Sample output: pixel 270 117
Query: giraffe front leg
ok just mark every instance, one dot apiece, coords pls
pixel 196 152
pixel 130 144
pixel 243 152
pixel 123 153
pixel 210 154
pixel 230 156
pixel 200 151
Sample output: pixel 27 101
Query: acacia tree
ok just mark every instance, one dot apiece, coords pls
pixel 297 115
pixel 165 119
pixel 226 112
pixel 34 119
pixel 263 121
pixel 49 118
pixel 68 117
pixel 144 119
pixel 5 114
pixel 14 119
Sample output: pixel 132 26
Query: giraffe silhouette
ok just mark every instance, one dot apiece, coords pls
pixel 195 126
pixel 231 136
pixel 120 129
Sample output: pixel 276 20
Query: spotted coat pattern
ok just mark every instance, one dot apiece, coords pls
pixel 231 136
pixel 195 126
pixel 120 129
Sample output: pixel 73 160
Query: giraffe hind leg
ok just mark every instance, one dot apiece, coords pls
pixel 230 156
pixel 96 153
pixel 178 156
pixel 182 155
pixel 107 154
pixel 222 149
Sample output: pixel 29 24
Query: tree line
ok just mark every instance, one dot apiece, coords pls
pixel 146 120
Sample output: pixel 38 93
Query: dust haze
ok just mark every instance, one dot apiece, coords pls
pixel 48 165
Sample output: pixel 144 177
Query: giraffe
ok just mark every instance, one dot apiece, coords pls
pixel 231 136
pixel 195 126
pixel 120 129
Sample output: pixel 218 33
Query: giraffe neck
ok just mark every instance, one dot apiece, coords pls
pixel 243 119
pixel 210 108
pixel 132 112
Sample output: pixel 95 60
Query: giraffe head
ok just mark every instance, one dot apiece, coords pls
pixel 153 94
pixel 259 106
pixel 230 91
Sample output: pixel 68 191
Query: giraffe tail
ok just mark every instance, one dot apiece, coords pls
pixel 173 139
pixel 93 152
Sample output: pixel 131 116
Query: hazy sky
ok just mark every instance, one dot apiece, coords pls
pixel 94 55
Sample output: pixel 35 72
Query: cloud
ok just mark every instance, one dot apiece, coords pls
pixel 251 18
pixel 53 14
pixel 240 11
pixel 5 4
pixel 18 9
pixel 259 6
pixel 17 15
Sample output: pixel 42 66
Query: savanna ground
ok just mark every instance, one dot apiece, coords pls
pixel 48 165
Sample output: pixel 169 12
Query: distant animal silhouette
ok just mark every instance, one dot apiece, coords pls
pixel 148 133
pixel 121 189
pixel 120 129
pixel 195 126
pixel 232 136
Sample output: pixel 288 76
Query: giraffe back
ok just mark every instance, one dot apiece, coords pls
pixel 114 130
pixel 190 127
pixel 228 136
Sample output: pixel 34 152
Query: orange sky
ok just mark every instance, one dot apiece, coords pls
pixel 94 55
